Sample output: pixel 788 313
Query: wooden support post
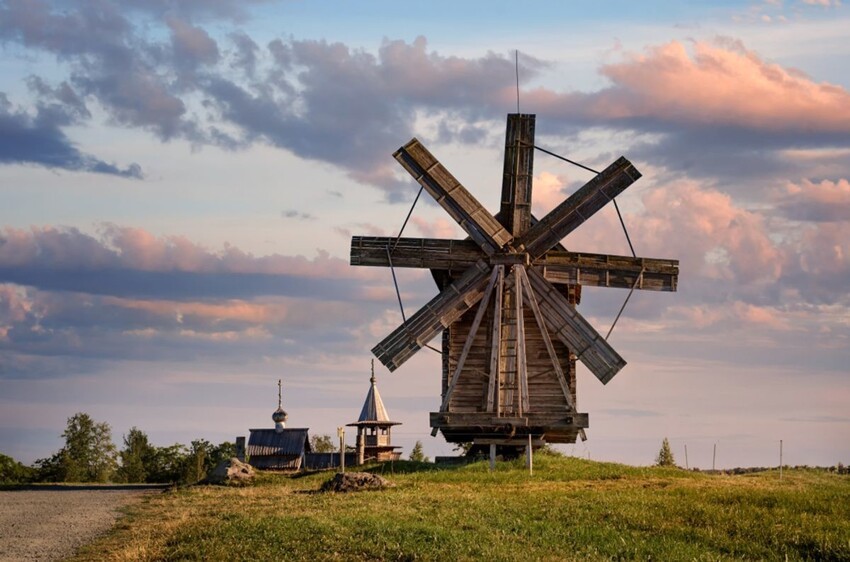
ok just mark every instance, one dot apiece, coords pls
pixel 341 432
pixel 521 365
pixel 492 457
pixel 529 457
pixel 686 457
pixel 713 456
pixel 496 345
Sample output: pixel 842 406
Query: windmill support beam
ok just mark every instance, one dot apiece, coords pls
pixel 473 330
pixel 521 359
pixel 547 341
pixel 493 401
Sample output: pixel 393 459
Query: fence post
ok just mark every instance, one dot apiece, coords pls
pixel 341 432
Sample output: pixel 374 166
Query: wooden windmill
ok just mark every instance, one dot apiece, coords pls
pixel 511 334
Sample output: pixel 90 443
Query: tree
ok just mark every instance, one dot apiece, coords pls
pixel 167 464
pixel 322 444
pixel 89 454
pixel 13 472
pixel 417 454
pixel 225 450
pixel 195 463
pixel 665 455
pixel 137 457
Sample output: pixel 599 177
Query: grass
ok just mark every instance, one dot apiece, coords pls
pixel 570 509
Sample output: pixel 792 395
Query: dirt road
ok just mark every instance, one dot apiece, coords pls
pixel 51 522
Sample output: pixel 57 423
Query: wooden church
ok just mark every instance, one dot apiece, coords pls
pixel 279 448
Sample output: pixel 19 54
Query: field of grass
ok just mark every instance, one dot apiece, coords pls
pixel 570 509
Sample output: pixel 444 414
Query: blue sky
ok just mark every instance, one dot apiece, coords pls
pixel 181 180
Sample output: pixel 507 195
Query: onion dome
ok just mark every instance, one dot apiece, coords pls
pixel 279 416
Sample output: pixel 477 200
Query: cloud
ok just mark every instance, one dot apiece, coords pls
pixel 125 295
pixel 36 326
pixel 826 201
pixel 712 109
pixel 293 214
pixel 721 84
pixel 437 228
pixel 548 193
pixel 38 139
pixel 126 261
pixel 823 3
pixel 192 45
pixel 321 101
pixel 709 109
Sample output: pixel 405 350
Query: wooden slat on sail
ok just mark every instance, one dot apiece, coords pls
pixel 441 311
pixel 576 332
pixel 579 207
pixel 453 197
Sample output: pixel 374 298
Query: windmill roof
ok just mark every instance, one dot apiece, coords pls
pixel 373 411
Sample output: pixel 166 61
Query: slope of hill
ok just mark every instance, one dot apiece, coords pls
pixel 570 509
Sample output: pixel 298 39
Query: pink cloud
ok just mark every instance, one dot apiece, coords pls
pixel 733 315
pixel 137 249
pixel 824 250
pixel 719 84
pixel 548 193
pixel 438 228
pixel 707 231
pixel 826 201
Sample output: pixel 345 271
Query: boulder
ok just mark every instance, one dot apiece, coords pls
pixel 355 481
pixel 232 472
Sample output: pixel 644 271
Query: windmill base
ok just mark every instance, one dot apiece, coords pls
pixel 484 428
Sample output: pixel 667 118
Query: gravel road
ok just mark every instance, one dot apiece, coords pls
pixel 51 522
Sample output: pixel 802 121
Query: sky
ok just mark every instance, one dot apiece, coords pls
pixel 180 181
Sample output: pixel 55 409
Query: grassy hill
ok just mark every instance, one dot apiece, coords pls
pixel 570 509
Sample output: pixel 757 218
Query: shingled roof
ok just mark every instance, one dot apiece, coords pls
pixel 374 412
pixel 269 442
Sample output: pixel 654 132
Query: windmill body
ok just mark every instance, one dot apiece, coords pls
pixel 506 307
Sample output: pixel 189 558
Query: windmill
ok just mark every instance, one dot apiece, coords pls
pixel 511 334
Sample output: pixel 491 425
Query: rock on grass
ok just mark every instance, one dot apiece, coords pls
pixel 355 481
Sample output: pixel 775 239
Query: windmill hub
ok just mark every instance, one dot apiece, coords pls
pixel 511 334
pixel 511 257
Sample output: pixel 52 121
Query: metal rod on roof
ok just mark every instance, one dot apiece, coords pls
pixel 516 61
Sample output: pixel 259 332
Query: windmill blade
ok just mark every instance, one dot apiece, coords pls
pixel 574 330
pixel 602 270
pixel 453 255
pixel 441 311
pixel 558 266
pixel 453 197
pixel 579 207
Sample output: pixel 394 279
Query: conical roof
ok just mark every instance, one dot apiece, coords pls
pixel 374 411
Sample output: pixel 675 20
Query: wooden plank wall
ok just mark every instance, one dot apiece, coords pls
pixel 470 393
